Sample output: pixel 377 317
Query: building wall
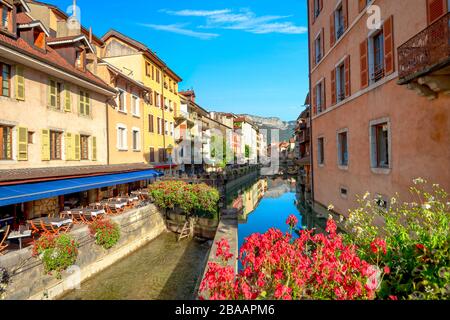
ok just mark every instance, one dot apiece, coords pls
pixel 34 115
pixel 420 129
pixel 130 121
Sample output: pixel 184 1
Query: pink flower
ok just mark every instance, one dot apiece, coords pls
pixel 282 292
pixel 292 221
pixel 387 270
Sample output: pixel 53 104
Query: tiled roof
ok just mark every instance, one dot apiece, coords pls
pixel 22 17
pixel 16 176
pixel 51 57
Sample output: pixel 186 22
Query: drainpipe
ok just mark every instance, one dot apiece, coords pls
pixel 311 143
pixel 163 106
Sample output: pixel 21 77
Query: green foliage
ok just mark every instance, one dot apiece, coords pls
pixel 105 232
pixel 191 198
pixel 247 151
pixel 417 236
pixel 56 252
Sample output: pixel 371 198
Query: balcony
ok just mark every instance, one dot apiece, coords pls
pixel 424 60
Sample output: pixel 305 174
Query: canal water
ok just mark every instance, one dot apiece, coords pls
pixel 169 270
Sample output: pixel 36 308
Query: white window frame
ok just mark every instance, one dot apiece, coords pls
pixel 373 146
pixel 166 127
pixel 138 142
pixel 339 156
pixel 122 129
pixel 137 112
pixel 158 100
pixel 124 101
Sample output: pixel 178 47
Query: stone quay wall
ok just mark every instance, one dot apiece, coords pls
pixel 28 281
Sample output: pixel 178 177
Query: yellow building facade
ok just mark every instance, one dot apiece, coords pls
pixel 139 63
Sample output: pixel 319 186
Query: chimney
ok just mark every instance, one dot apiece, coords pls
pixel 90 34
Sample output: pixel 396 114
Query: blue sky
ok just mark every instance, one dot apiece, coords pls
pixel 242 56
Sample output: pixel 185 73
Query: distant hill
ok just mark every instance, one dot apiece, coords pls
pixel 286 128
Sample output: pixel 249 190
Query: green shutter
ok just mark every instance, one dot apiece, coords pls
pixel 80 103
pixel 67 101
pixel 69 146
pixel 94 148
pixel 20 83
pixel 52 93
pixel 77 154
pixel 45 145
pixel 22 139
pixel 87 104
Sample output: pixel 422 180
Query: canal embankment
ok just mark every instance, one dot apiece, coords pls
pixel 29 281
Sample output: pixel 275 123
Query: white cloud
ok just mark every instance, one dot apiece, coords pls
pixel 178 28
pixel 244 19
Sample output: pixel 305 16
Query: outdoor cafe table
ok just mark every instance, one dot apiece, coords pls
pixel 56 222
pixel 143 194
pixel 85 212
pixel 17 235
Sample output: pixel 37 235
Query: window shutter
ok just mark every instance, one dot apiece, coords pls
pixel 332 30
pixel 322 42
pixel 388 29
pixel 362 5
pixel 77 155
pixel 363 48
pixel 314 100
pixel 69 146
pixel 20 83
pixel 51 93
pixel 45 145
pixel 333 87
pixel 435 9
pixel 347 77
pixel 81 103
pixel 320 5
pixel 324 96
pixel 345 11
pixel 67 102
pixel 313 12
pixel 87 104
pixel 94 148
pixel 22 154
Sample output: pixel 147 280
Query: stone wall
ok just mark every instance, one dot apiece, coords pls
pixel 44 207
pixel 203 228
pixel 28 280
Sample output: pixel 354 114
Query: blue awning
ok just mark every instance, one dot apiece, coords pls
pixel 36 191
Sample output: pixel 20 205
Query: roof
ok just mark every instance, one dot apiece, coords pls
pixel 142 47
pixel 117 71
pixel 15 176
pixel 65 16
pixel 50 57
pixel 70 40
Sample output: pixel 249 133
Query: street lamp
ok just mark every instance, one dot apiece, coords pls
pixel 169 151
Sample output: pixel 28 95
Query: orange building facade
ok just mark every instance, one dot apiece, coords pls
pixel 380 85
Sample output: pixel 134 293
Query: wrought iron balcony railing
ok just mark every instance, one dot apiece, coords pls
pixel 427 51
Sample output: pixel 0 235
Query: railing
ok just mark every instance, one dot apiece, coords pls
pixel 425 50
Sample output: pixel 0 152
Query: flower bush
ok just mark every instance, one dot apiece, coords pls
pixel 56 252
pixel 197 199
pixel 277 266
pixel 410 239
pixel 105 232
pixel 4 280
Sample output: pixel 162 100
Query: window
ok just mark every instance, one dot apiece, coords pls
pixel 80 59
pixel 122 143
pixel 30 137
pixel 135 105
pixel 151 125
pixel 136 140
pixel 376 57
pixel 55 90
pixel 158 78
pixel 172 129
pixel 157 99
pixel 317 7
pixel 339 22
pixel 318 48
pixel 158 120
pixel 166 127
pixel 152 155
pixel 148 69
pixel 122 101
pixel 380 145
pixel 319 96
pixel 6 143
pixel 6 17
pixel 344 192
pixel 340 82
pixel 84 103
pixel 166 103
pixel 84 145
pixel 343 148
pixel 5 79
pixel 161 155
pixel 55 145
pixel 321 151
